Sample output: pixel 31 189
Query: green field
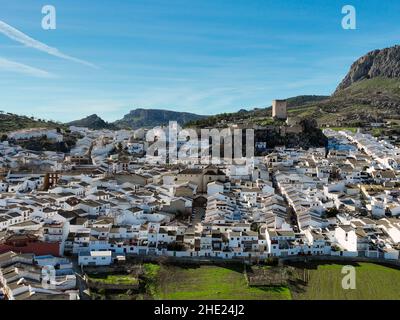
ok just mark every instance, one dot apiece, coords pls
pixel 229 283
pixel 210 283
pixel 115 279
pixel 373 282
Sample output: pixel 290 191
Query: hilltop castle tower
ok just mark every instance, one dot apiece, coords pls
pixel 279 110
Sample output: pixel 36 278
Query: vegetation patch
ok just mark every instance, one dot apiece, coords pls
pixel 212 283
pixel 12 122
pixel 113 286
pixel 151 277
pixel 351 129
pixel 373 282
pixel 115 279
pixel 300 281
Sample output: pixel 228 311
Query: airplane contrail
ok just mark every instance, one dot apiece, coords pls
pixel 13 66
pixel 21 37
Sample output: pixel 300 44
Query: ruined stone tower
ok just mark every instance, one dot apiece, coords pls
pixel 279 111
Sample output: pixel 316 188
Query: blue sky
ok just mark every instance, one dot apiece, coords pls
pixel 197 56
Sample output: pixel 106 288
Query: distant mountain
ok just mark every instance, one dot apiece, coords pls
pixel 154 117
pixel 12 122
pixel 92 122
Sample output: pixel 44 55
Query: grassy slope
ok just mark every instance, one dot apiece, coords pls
pixel 115 279
pixel 212 282
pixel 260 116
pixel 11 122
pixel 385 86
pixel 372 282
pixel 366 98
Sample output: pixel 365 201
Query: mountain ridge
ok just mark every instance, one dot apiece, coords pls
pixel 92 122
pixel 141 117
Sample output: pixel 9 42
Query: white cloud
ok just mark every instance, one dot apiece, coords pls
pixel 21 37
pixel 13 66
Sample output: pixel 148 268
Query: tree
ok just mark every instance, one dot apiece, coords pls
pixel 272 261
pixel 309 124
pixel 254 227
pixel 332 212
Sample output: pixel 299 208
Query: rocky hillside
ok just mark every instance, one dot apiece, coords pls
pixel 363 102
pixel 93 122
pixel 370 92
pixel 383 63
pixel 153 117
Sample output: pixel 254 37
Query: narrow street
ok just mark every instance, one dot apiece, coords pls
pixel 80 282
pixel 292 217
